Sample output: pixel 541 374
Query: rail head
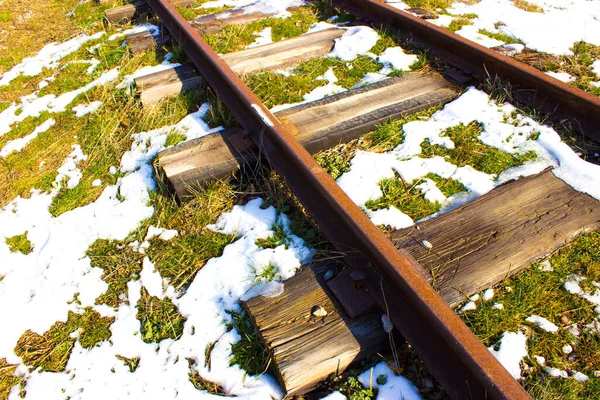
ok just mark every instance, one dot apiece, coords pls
pixel 452 352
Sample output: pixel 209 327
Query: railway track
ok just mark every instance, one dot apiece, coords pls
pixel 392 277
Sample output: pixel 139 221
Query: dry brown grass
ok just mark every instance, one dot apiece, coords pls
pixel 7 378
pixel 527 6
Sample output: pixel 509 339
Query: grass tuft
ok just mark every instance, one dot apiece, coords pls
pixel 120 263
pixel 19 243
pixel 527 6
pixel 249 353
pixel 469 150
pixel 50 351
pixel 159 319
pixel 8 379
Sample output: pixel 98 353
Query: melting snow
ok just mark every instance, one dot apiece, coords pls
pixel 561 76
pixel 48 57
pixel 84 109
pixel 395 387
pixel 355 41
pixel 19 144
pixel 512 349
pixel 264 37
pixel 542 323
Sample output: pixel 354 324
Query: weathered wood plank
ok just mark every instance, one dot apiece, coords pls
pixel 284 53
pixel 141 41
pixel 213 23
pixel 497 235
pixel 334 119
pixel 136 10
pixel 157 86
pixel 307 349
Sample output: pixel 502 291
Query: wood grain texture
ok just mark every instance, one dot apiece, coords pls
pixel 497 235
pixel 307 349
pixel 334 119
pixel 213 23
pixel 157 86
pixel 141 41
pixel 284 53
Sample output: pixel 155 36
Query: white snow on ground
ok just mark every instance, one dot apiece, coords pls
pixel 47 57
pixel 546 266
pixel 561 76
pixel 276 8
pixel 556 373
pixel 596 68
pixel 395 387
pixel 33 106
pixel 19 144
pixel 471 32
pixel 468 307
pixel 501 129
pixel 152 29
pixel 84 109
pixel 320 26
pixel 41 285
pixel 555 30
pixel 512 349
pixel 488 294
pixel 394 58
pixel 542 323
pixel 355 41
pixel 334 396
pixel 264 37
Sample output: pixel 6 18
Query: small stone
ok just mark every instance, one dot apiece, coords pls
pixel 565 320
pixel 381 379
pixel 318 311
pixel 597 374
pixel 498 306
pixel 427 244
pixel 579 377
pixel 567 349
pixel 328 275
pixel 573 330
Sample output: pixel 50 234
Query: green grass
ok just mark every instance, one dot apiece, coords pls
pixel 469 150
pixel 278 238
pixel 405 197
pixel 429 4
pixel 190 13
pixel 50 351
pixel 120 263
pixel 447 186
pixel 458 23
pixel 500 36
pixel 236 37
pixel 73 76
pixel 174 138
pixel 8 378
pixel 249 353
pixel 159 319
pixel 5 16
pixel 542 293
pixel 19 243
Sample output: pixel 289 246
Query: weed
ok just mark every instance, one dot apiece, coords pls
pixel 51 351
pixel 458 23
pixel 527 6
pixel 19 243
pixel 159 319
pixel 278 238
pixel 405 197
pixel 202 384
pixel 432 5
pixel 500 36
pixel 5 16
pixel 174 138
pixel 447 186
pixel 131 363
pixel 249 352
pixel 120 263
pixel 469 150
pixel 8 379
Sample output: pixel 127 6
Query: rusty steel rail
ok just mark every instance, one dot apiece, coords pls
pixel 450 350
pixel 530 85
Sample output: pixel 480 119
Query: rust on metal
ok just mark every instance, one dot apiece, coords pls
pixel 450 350
pixel 530 85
